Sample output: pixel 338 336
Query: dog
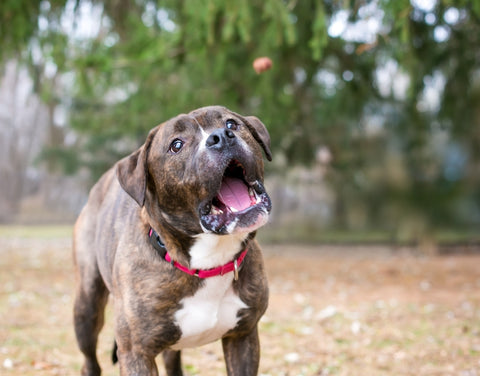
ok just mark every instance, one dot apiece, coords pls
pixel 169 233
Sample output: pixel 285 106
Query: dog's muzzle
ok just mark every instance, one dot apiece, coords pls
pixel 238 206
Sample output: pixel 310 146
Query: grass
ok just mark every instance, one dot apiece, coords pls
pixel 330 313
pixel 36 232
pixel 310 235
pixel 275 235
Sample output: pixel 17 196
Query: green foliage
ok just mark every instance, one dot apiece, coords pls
pixel 319 29
pixel 403 163
pixel 19 23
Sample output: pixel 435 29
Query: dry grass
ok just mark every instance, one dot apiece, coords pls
pixel 333 311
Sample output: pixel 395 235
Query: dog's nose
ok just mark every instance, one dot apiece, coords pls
pixel 220 138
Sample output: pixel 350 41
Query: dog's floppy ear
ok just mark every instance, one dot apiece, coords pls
pixel 260 133
pixel 132 171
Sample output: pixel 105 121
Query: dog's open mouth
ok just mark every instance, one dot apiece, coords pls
pixel 235 193
pixel 237 203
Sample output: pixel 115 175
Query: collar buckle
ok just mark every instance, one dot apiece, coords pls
pixel 235 269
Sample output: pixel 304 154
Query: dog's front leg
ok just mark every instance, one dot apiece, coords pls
pixel 173 362
pixel 136 364
pixel 242 354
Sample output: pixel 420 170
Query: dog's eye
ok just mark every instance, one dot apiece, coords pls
pixel 176 146
pixel 231 124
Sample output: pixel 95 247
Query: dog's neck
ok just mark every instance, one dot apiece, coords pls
pixel 202 251
pixel 210 250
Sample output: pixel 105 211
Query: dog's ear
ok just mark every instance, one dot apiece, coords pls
pixel 132 171
pixel 260 133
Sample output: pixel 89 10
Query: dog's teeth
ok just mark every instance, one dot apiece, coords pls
pixel 216 210
pixel 233 209
pixel 254 199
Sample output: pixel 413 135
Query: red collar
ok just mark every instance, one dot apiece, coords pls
pixel 232 266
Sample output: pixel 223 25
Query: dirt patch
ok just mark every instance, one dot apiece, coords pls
pixel 333 311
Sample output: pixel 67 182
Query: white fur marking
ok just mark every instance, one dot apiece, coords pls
pixel 209 314
pixel 212 311
pixel 203 142
pixel 211 250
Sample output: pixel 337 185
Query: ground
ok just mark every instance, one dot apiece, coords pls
pixel 334 310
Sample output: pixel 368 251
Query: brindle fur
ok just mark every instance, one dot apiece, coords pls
pixel 113 256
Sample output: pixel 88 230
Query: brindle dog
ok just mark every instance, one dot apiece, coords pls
pixel 169 232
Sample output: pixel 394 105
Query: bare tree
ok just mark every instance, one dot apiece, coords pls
pixel 24 123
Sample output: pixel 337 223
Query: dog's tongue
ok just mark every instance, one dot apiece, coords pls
pixel 234 193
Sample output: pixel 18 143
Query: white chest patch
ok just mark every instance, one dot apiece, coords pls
pixel 213 310
pixel 209 314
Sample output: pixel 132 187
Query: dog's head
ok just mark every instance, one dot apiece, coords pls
pixel 203 170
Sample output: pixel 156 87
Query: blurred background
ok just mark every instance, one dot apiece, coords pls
pixel 373 107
